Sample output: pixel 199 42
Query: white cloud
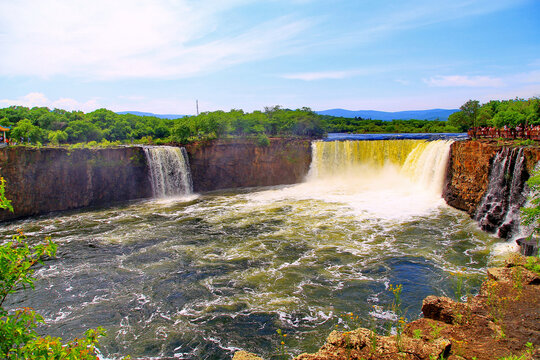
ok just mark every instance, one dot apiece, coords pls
pixel 122 38
pixel 463 81
pixel 530 77
pixel 337 74
pixel 402 81
pixel 40 100
pixel 321 75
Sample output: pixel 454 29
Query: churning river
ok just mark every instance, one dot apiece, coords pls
pixel 199 276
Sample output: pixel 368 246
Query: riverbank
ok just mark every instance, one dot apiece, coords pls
pixel 501 322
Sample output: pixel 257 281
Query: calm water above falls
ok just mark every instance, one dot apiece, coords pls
pixel 197 277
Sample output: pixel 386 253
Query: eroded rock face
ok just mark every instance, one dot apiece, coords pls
pixel 225 164
pixel 487 180
pixel 468 174
pixel 51 179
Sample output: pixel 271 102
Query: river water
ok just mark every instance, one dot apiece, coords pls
pixel 199 276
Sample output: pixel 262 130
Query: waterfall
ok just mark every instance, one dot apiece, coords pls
pixel 506 194
pixel 420 161
pixel 169 171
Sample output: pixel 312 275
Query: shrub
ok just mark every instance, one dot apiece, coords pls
pixel 263 140
pixel 18 338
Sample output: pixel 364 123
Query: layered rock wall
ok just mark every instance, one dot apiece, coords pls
pixel 468 172
pixel 52 179
pixel 236 163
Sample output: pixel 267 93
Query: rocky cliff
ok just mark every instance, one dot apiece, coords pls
pixel 487 180
pixel 467 176
pixel 236 163
pixel 52 179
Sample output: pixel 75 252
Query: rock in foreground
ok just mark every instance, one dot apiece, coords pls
pixel 503 320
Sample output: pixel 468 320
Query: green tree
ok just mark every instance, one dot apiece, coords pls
pixel 181 132
pixel 459 120
pixel 81 130
pixel 18 338
pixel 57 137
pixel 470 110
pixel 25 130
pixel 530 215
pixel 508 117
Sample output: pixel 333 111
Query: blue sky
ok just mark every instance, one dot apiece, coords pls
pixel 161 55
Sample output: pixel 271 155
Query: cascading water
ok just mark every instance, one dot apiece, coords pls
pixel 169 171
pixel 506 194
pixel 386 178
pixel 422 162
pixel 202 278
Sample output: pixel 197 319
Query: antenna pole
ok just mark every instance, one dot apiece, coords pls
pixel 197 105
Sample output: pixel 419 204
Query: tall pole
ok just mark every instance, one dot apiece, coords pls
pixel 197 105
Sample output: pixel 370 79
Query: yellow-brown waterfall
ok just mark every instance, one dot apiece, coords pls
pixel 422 162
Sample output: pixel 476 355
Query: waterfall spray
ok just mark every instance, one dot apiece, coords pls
pixel 169 171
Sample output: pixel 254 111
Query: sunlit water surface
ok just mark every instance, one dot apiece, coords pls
pixel 200 277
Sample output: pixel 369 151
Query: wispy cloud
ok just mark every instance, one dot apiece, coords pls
pixel 39 99
pixel 402 81
pixel 463 81
pixel 531 77
pixel 393 18
pixel 118 39
pixel 323 75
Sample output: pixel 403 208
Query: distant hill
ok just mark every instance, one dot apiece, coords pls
pixel 433 114
pixel 138 113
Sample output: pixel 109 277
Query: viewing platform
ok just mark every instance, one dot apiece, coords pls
pixel 532 133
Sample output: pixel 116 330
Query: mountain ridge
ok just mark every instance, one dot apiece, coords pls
pixel 161 116
pixel 430 114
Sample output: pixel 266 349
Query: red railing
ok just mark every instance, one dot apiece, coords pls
pixel 509 133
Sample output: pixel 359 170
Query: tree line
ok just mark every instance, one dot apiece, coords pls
pixel 42 125
pixel 497 114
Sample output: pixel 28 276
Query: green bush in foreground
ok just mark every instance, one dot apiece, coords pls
pixel 530 215
pixel 18 338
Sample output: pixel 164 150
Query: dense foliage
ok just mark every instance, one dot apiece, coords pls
pixel 496 113
pixel 18 336
pixel 41 125
pixel 530 215
pixel 368 126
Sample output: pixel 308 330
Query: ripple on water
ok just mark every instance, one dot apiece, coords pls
pixel 201 277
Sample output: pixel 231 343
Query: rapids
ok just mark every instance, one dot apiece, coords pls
pixel 199 276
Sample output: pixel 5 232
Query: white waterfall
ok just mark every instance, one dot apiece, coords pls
pixel 391 179
pixel 420 161
pixel 170 174
pixel 499 210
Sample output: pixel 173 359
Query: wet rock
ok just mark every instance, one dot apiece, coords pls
pixel 439 308
pixel 512 274
pixel 244 355
pixel 363 343
pixel 472 185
